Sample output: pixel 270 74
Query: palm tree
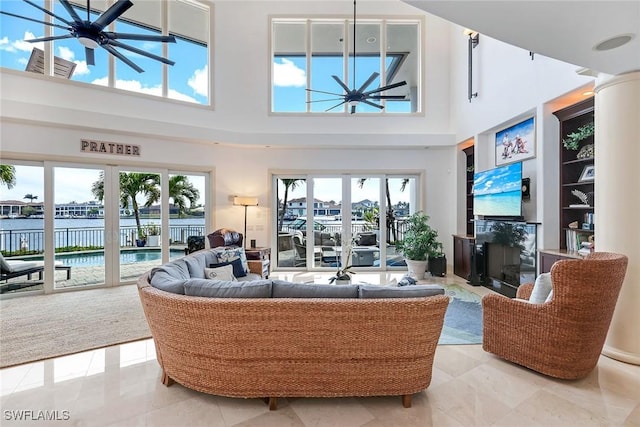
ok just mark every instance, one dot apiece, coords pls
pixel 181 190
pixel 30 196
pixel 132 184
pixel 8 175
pixel 289 184
pixel 391 223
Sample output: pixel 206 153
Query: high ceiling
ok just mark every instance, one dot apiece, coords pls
pixel 567 30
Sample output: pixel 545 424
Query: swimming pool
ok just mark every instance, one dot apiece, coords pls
pixel 127 256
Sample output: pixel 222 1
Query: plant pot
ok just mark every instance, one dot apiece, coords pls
pixel 343 281
pixel 140 243
pixel 416 268
pixel 153 240
pixel 438 266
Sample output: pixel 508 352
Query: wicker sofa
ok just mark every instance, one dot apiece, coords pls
pixel 270 347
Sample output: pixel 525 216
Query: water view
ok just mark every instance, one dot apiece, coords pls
pixel 27 234
pixel 96 259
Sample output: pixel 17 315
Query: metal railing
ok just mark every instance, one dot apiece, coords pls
pixel 32 241
pixel 395 231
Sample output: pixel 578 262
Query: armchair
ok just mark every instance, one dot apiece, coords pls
pixel 563 337
pixel 225 237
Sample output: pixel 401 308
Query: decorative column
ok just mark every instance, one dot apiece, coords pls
pixel 617 202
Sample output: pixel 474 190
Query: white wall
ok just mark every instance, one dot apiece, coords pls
pixel 45 117
pixel 245 171
pixel 511 86
pixel 241 80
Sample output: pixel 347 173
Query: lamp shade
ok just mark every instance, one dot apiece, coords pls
pixel 245 201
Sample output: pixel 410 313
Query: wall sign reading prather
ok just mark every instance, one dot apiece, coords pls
pixel 87 145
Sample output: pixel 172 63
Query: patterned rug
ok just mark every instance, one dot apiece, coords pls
pixel 463 320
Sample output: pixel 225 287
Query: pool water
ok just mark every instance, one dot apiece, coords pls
pixel 95 259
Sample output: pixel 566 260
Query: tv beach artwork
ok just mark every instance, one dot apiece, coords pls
pixel 498 192
pixel 516 143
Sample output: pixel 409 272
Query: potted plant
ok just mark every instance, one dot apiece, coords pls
pixel 572 141
pixel 343 274
pixel 419 242
pixel 142 238
pixel 438 261
pixel 153 234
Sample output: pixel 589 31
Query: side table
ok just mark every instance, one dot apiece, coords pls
pixel 259 260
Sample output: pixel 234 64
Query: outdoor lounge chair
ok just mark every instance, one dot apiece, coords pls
pixel 300 256
pixel 10 269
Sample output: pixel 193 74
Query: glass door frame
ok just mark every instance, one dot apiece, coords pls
pixel 416 197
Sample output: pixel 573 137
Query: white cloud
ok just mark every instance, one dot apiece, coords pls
pixel 81 68
pixel 199 81
pixel 102 81
pixel 174 94
pixel 136 86
pixel 67 54
pixel 26 46
pixel 23 61
pixel 4 43
pixel 288 74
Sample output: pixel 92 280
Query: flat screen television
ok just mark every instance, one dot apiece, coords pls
pixel 498 192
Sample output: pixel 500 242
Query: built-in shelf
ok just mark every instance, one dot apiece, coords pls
pixel 571 168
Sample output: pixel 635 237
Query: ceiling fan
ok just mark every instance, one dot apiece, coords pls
pixel 354 96
pixel 92 35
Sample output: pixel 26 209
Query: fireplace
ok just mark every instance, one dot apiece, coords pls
pixel 505 255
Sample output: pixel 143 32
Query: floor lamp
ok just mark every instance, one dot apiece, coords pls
pixel 245 201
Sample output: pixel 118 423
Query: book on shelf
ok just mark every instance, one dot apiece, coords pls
pixel 576 240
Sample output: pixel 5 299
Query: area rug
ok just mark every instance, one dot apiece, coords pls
pixel 463 320
pixel 43 326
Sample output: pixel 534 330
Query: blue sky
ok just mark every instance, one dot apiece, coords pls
pixel 71 184
pixel 187 79
pixel 499 180
pixel 290 79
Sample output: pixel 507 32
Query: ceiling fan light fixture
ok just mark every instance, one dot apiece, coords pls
pixel 87 42
pixel 353 97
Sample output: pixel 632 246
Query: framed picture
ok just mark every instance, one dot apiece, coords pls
pixel 588 173
pixel 516 143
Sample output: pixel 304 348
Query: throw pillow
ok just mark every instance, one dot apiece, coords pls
pixel 238 269
pixel 220 273
pixel 541 289
pixel 227 254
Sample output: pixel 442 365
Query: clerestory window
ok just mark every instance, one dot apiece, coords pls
pixel 306 53
pixel 187 20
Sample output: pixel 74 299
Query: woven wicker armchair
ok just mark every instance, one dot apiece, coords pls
pixel 561 338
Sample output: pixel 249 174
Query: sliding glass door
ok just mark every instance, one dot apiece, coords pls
pixel 324 221
pixel 84 225
pixel 79 228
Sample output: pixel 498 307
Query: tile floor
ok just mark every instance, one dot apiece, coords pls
pixel 120 386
